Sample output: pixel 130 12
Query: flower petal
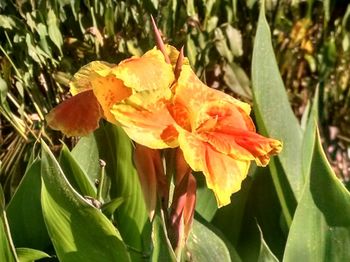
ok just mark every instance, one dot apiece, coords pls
pixel 190 91
pixel 108 91
pixel 260 147
pixel 223 173
pixel 81 80
pixel 146 127
pixel 76 116
pixel 146 73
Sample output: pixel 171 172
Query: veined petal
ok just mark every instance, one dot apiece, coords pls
pixel 223 173
pixel 190 91
pixel 260 147
pixel 181 115
pixel 76 116
pixel 221 114
pixel 109 90
pixel 145 127
pixel 81 80
pixel 146 73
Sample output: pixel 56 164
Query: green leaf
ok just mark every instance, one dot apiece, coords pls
pixel 7 22
pixel 234 38
pixel 162 250
pixel 206 204
pixel 75 174
pixel 272 105
pixel 79 231
pixel 30 255
pixel 205 245
pixel 87 156
pixel 321 226
pixel 25 214
pixel 309 137
pixel 109 208
pixel 3 90
pixel 7 252
pixel 54 31
pixel 237 80
pixel 116 150
pixel 275 119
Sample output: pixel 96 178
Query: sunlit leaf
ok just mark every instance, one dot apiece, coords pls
pixel 25 213
pixel 274 114
pixel 201 250
pixel 321 226
pixel 86 154
pixel 54 31
pixel 75 174
pixel 116 150
pixel 79 231
pixel 30 255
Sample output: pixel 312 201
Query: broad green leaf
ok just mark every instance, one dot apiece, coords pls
pixel 87 156
pixel 309 137
pixel 79 231
pixel 75 174
pixel 205 199
pixel 25 214
pixel 162 250
pixel 321 226
pixel 7 252
pixel 272 109
pixel 205 245
pixel 116 150
pixel 30 255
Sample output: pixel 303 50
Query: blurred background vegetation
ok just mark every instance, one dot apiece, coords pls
pixel 44 42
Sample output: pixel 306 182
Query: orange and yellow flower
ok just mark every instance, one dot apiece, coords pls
pixel 132 94
pixel 141 94
pixel 216 135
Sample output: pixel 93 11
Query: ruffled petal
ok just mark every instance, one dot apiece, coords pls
pixel 190 91
pixel 109 90
pixel 223 173
pixel 148 128
pixel 76 116
pixel 81 80
pixel 260 147
pixel 146 73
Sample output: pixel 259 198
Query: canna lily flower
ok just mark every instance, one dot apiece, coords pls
pixel 132 94
pixel 216 135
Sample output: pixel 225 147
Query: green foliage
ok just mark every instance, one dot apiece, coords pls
pixel 87 204
pixel 73 224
